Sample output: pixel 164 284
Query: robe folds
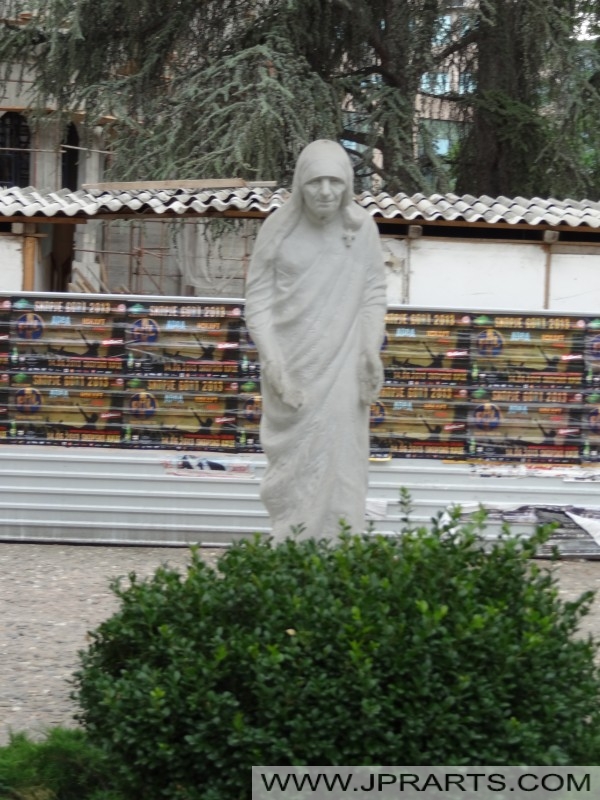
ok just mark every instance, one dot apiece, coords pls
pixel 316 310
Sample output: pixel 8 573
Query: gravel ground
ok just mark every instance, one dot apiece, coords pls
pixel 52 595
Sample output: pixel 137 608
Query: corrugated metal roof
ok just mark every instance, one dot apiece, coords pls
pixel 29 202
pixel 491 210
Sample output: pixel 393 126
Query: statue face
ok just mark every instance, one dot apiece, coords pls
pixel 322 197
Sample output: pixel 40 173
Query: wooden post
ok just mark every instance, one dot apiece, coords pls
pixel 29 253
pixel 549 238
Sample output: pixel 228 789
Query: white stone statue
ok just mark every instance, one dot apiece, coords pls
pixel 315 309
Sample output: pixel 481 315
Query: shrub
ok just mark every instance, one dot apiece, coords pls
pixel 420 650
pixel 63 766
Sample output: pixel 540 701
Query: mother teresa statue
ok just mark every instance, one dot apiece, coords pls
pixel 315 309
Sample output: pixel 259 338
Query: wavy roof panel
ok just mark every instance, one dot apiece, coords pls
pixel 29 202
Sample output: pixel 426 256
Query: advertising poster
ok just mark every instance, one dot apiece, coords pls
pixel 183 340
pixel 117 372
pixel 526 425
pixel 248 358
pixel 198 413
pixel 5 309
pixel 4 390
pixel 65 409
pixel 591 427
pixel 428 348
pixel 66 336
pixel 592 353
pixel 249 414
pixel 527 351
pixel 420 421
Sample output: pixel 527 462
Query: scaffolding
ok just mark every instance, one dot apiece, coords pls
pixel 193 257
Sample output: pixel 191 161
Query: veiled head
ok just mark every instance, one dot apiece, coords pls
pixel 324 158
pixel 321 156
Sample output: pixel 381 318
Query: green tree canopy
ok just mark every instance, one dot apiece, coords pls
pixel 222 88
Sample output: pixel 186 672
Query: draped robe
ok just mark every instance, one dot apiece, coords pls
pixel 316 305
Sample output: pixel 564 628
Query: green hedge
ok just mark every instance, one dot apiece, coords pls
pixel 420 650
pixel 63 766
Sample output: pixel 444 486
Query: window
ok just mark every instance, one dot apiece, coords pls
pixel 435 83
pixel 442 34
pixel 70 159
pixel 15 143
pixel 466 83
pixel 438 136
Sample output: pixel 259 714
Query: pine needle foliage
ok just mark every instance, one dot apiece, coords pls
pixel 221 88
pixel 531 128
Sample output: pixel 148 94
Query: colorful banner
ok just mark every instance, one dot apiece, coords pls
pixel 526 425
pixel 65 409
pixel 514 350
pixel 249 414
pixel 183 340
pixel 110 371
pixel 60 336
pixel 420 421
pixel 193 413
pixel 591 427
pixel 427 348
pixel 592 353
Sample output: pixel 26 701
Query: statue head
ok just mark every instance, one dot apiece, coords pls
pixel 323 179
pixel 322 158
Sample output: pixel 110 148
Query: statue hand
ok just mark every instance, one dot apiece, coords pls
pixel 292 396
pixel 279 382
pixel 370 376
